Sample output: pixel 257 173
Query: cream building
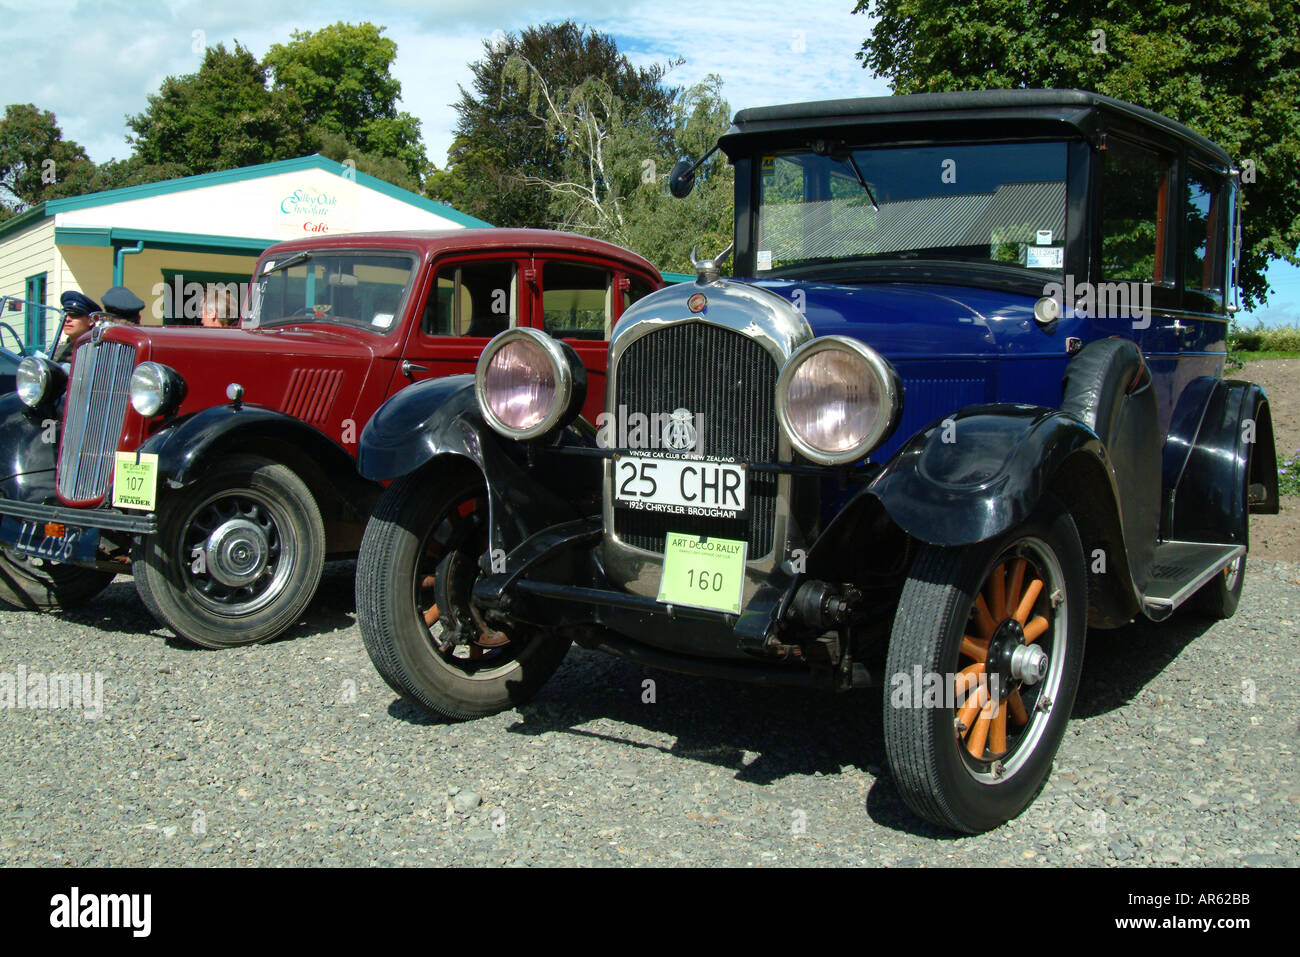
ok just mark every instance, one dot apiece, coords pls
pixel 161 239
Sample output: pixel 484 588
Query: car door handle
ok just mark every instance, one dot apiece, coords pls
pixel 1179 328
pixel 409 367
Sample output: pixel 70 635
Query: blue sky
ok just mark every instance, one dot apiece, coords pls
pixel 102 59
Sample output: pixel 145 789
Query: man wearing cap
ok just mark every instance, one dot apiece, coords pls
pixel 122 305
pixel 78 310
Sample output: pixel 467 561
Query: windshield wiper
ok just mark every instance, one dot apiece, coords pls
pixel 291 261
pixel 857 171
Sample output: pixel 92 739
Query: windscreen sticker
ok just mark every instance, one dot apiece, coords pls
pixel 764 259
pixel 382 319
pixel 767 165
pixel 1044 257
pixel 1044 237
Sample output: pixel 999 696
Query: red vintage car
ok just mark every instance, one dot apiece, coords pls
pixel 218 465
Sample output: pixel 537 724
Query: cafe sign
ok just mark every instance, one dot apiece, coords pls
pixel 307 208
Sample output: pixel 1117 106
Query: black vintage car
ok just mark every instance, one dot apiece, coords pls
pixel 962 401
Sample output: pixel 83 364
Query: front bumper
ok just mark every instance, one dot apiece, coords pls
pixel 555 578
pixel 104 519
pixel 87 537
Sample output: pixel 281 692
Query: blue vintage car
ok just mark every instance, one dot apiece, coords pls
pixel 961 401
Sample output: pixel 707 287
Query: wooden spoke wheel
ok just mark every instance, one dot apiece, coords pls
pixel 420 558
pixel 1006 652
pixel 1001 626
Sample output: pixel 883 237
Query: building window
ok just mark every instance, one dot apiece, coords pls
pixel 34 334
pixel 184 291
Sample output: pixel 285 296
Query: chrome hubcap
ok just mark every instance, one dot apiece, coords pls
pixel 237 552
pixel 236 559
pixel 1029 664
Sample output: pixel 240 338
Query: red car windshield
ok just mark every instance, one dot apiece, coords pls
pixel 366 289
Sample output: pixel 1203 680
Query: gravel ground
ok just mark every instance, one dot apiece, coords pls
pixel 1182 751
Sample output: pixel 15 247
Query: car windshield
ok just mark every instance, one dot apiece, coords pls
pixel 1002 203
pixel 365 289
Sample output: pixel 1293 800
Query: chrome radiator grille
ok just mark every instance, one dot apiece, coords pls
pixel 92 420
pixel 729 380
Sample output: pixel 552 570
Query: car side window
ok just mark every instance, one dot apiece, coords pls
pixel 576 301
pixel 471 299
pixel 1205 199
pixel 637 288
pixel 1135 213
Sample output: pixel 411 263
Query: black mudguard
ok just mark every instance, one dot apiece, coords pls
pixel 1220 444
pixel 27 454
pixel 182 447
pixel 438 421
pixel 980 471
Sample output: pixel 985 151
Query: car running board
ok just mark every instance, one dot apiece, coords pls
pixel 1179 569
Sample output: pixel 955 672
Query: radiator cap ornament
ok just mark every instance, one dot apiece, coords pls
pixel 708 270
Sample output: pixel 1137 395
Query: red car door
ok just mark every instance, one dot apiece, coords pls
pixel 578 300
pixel 467 301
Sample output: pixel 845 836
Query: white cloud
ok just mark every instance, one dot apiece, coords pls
pixel 110 56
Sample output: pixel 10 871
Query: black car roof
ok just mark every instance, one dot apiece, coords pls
pixel 1083 110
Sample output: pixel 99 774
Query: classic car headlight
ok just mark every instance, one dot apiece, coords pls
pixel 837 399
pixel 155 389
pixel 37 379
pixel 528 384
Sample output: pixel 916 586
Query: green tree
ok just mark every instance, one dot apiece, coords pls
pixel 341 74
pixel 503 147
pixel 338 147
pixel 1230 70
pixel 221 117
pixel 36 162
pixel 611 180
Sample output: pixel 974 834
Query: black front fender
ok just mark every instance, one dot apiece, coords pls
pixel 28 450
pixel 438 421
pixel 183 446
pixel 416 424
pixel 979 472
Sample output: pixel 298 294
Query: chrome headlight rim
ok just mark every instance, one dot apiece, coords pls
pixel 34 380
pixel 157 397
pixel 886 379
pixel 561 371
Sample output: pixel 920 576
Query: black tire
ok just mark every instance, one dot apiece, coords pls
pixel 422 546
pixel 237 557
pixel 49 586
pixel 1218 598
pixel 929 752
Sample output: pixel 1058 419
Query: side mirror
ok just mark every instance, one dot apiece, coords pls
pixel 682 180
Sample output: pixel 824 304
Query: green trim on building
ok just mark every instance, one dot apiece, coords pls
pixel 128 193
pixel 17 224
pixel 672 277
pixel 204 180
pixel 157 239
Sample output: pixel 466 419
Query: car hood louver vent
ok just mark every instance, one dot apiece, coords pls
pixel 310 394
